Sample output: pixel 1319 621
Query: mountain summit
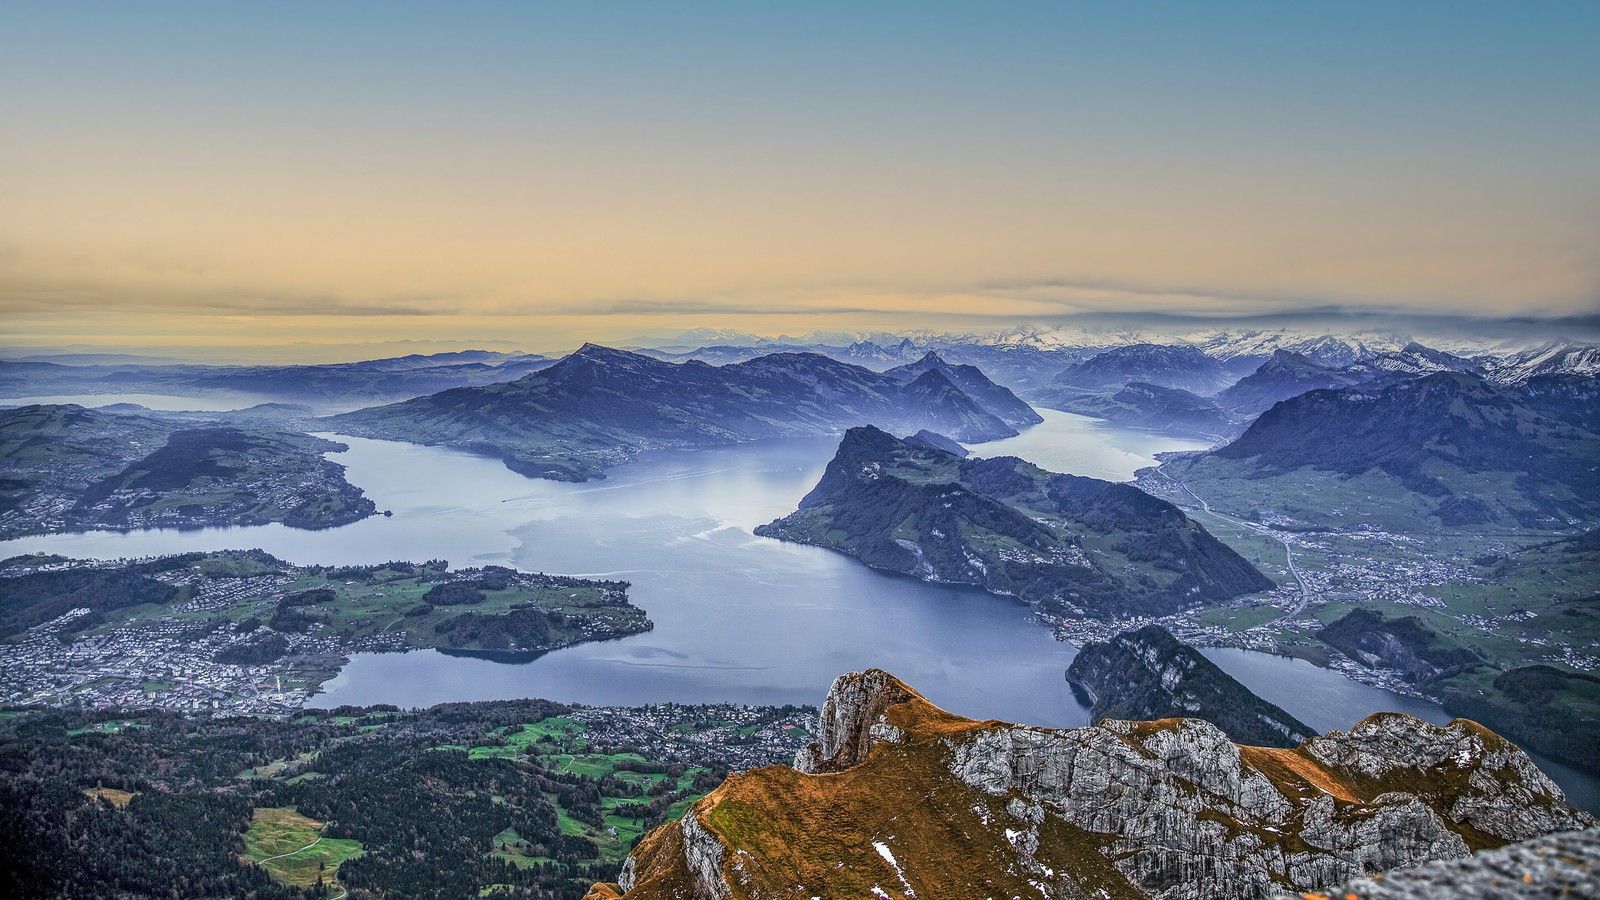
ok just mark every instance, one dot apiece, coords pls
pixel 900 799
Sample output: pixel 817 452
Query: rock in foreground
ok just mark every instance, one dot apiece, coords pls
pixel 1561 865
pixel 901 799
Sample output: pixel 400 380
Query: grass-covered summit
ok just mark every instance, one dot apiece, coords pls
pixel 1066 544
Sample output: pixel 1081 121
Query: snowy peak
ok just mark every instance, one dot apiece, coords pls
pixel 1559 358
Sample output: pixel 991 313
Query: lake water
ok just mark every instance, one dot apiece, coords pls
pixel 738 618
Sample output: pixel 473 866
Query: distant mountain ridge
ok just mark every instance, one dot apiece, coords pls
pixel 1186 368
pixel 1147 406
pixel 598 405
pixel 365 382
pixel 1065 544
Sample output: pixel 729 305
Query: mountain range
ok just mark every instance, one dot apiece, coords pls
pixel 333 385
pixel 1065 544
pixel 598 406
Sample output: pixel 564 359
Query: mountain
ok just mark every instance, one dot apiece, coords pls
pixel 899 798
pixel 1573 399
pixel 1148 674
pixel 1140 405
pixel 1558 358
pixel 1412 359
pixel 1285 374
pixel 1166 366
pixel 598 405
pixel 1473 449
pixel 1405 644
pixel 932 440
pixel 972 382
pixel 67 468
pixel 1065 544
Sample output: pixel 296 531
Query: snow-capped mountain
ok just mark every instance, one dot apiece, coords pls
pixel 1556 358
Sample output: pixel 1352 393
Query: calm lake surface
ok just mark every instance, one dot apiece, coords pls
pixel 738 618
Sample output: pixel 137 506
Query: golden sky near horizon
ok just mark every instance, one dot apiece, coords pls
pixel 302 175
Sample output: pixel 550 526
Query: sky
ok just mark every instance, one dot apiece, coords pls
pixel 539 174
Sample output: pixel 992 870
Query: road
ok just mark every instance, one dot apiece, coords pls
pixel 342 892
pixel 1288 551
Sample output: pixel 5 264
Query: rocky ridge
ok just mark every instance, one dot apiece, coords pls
pixel 899 798
pixel 1560 865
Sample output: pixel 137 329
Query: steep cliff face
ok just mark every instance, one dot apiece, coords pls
pixel 1149 674
pixel 899 799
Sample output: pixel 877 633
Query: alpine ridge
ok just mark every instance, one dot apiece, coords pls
pixel 901 799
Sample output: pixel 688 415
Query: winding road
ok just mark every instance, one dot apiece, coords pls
pixel 342 892
pixel 1288 551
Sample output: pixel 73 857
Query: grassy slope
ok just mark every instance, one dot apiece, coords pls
pixel 303 854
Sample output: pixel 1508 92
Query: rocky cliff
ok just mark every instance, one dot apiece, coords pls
pixel 1149 674
pixel 1561 865
pixel 900 799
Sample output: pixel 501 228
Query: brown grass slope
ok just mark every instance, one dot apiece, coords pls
pixel 893 808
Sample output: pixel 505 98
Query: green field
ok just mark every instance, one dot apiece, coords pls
pixel 291 848
pixel 559 744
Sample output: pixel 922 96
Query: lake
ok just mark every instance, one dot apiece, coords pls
pixel 738 618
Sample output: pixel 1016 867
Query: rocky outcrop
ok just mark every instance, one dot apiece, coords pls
pixel 1149 674
pixel 900 799
pixel 1560 865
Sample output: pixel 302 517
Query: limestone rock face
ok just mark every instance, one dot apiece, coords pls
pixel 900 799
pixel 1559 865
pixel 855 706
